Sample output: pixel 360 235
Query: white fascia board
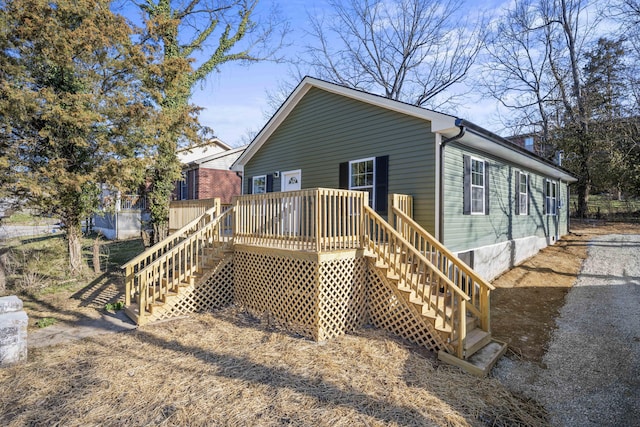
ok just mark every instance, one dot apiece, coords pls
pixel 222 154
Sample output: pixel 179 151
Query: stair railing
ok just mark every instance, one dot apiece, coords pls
pixel 442 296
pixel 450 265
pixel 152 275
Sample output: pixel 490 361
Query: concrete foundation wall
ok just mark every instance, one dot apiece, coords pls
pixel 491 261
pixel 13 331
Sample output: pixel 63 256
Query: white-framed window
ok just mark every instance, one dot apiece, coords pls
pixel 362 177
pixel 551 204
pixel 477 187
pixel 259 184
pixel 523 194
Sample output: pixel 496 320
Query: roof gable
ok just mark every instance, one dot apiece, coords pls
pixel 439 121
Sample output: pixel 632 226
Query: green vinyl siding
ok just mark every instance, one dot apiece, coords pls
pixel 464 232
pixel 326 129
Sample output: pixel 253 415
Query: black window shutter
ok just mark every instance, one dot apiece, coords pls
pixel 343 176
pixel 270 183
pixel 528 194
pixel 517 193
pixel 466 202
pixel 544 196
pixel 250 185
pixel 486 188
pixel 382 184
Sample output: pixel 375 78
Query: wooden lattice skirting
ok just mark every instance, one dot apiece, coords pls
pixel 317 295
pixel 389 310
pixel 213 290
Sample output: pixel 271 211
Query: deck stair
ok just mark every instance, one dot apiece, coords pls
pixel 164 278
pixel 450 298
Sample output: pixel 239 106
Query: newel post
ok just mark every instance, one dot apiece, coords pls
pixel 316 220
pixel 462 326
pixel 128 280
pixel 364 231
pixel 485 301
pixel 218 206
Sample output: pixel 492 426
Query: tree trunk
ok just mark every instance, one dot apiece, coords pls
pixel 75 249
pixel 96 255
pixel 583 198
pixel 160 231
pixel 3 274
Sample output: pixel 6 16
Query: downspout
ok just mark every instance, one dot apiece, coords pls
pixel 441 189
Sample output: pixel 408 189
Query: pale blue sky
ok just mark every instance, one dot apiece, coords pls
pixel 234 100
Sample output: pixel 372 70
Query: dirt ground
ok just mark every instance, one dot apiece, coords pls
pixel 528 298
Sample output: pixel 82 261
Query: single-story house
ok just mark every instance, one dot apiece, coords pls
pixel 488 200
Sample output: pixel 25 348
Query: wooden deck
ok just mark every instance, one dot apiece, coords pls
pixel 321 262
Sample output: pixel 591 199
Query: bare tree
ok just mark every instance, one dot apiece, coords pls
pixel 628 13
pixel 539 57
pixel 408 50
pixel 516 72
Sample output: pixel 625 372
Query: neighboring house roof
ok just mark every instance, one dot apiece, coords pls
pixel 222 160
pixel 207 148
pixel 445 125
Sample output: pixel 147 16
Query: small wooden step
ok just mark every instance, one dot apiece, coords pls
pixel 133 312
pixel 481 363
pixel 476 339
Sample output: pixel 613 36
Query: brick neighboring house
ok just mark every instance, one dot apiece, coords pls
pixel 206 172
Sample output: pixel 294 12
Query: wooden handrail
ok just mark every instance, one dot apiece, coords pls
pixel 156 279
pixel 461 274
pixel 441 248
pixel 372 214
pixel 315 219
pixel 171 238
pixel 422 277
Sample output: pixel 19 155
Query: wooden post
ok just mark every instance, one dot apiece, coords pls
pixel 462 326
pixel 485 309
pixel 218 206
pixel 316 227
pixel 128 280
pixel 364 232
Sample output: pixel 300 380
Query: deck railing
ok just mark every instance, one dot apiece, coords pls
pixel 181 212
pixel 152 274
pixel 414 270
pixel 450 265
pixel 318 219
pixel 402 202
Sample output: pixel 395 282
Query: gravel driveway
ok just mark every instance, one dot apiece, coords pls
pixel 591 371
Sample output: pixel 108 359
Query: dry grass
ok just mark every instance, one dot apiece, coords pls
pixel 226 368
